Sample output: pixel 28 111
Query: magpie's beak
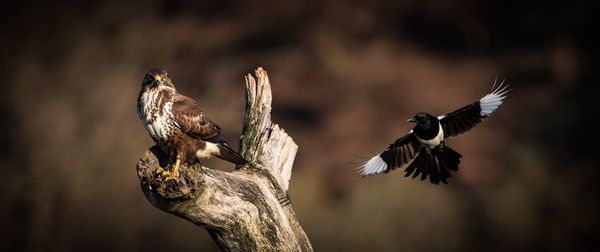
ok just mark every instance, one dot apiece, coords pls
pixel 412 120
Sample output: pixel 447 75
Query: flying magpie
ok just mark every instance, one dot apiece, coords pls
pixel 423 151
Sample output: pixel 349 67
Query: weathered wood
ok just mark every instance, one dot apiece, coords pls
pixel 246 209
pixel 262 141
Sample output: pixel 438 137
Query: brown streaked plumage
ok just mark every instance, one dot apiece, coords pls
pixel 178 126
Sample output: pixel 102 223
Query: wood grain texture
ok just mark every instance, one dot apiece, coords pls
pixel 246 209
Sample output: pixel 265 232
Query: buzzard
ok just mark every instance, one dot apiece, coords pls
pixel 423 150
pixel 178 126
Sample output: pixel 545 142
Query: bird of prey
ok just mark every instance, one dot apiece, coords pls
pixel 178 126
pixel 423 150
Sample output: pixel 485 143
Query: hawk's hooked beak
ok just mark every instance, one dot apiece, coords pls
pixel 157 78
pixel 412 120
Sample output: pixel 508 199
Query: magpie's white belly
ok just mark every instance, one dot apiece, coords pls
pixel 435 141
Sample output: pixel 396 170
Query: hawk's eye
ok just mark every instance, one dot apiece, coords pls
pixel 148 79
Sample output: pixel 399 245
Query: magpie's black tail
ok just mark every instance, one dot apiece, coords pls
pixel 436 163
pixel 228 154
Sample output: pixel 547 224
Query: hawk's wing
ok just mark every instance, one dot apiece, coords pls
pixel 191 120
pixel 468 116
pixel 397 155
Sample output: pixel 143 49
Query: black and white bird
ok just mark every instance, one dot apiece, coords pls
pixel 423 151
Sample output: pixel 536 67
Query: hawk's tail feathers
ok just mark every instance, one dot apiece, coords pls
pixel 228 154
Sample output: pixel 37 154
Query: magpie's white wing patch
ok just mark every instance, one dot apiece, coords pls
pixel 375 165
pixel 468 116
pixel 401 152
pixel 492 101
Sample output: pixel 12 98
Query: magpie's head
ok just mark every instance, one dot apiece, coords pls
pixel 422 119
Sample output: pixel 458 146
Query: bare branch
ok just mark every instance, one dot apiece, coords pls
pixel 262 141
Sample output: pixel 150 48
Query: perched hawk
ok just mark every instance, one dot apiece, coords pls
pixel 423 151
pixel 178 126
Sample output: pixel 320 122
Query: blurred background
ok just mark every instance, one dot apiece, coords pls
pixel 345 78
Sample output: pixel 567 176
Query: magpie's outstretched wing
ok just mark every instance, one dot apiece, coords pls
pixel 467 117
pixel 397 155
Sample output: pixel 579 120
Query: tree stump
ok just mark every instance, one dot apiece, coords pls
pixel 246 209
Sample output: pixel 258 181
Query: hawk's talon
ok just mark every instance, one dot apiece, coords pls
pixel 169 175
pixel 166 174
pixel 159 170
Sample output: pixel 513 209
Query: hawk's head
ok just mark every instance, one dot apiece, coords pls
pixel 157 77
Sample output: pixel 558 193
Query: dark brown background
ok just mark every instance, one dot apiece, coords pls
pixel 345 78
